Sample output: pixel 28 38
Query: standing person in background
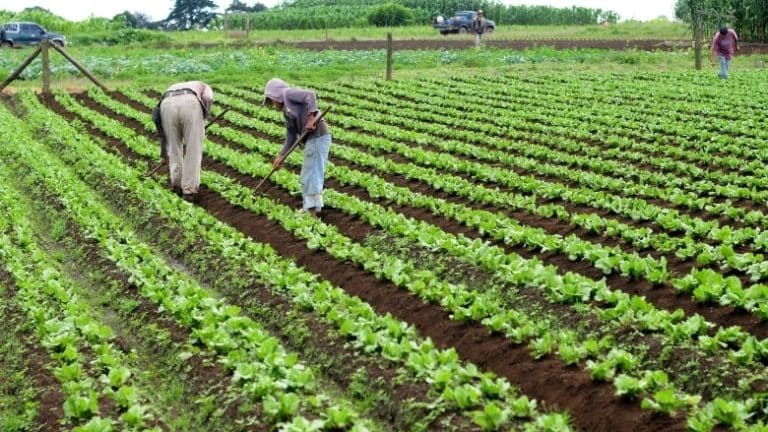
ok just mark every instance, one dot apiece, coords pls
pixel 184 107
pixel 724 45
pixel 479 26
pixel 299 109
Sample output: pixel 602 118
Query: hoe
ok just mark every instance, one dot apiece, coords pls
pixel 292 147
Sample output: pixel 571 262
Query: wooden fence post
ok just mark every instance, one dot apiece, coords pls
pixel 46 65
pixel 44 48
pixel 389 56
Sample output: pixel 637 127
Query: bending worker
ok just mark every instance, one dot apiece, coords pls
pixel 299 109
pixel 184 107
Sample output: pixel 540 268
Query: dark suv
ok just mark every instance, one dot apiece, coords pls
pixel 461 23
pixel 18 34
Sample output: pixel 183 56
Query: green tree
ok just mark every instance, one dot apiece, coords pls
pixel 390 14
pixel 748 17
pixel 133 19
pixel 608 16
pixel 187 14
pixel 238 6
pixel 703 15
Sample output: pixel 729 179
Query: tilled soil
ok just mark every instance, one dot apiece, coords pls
pixel 549 380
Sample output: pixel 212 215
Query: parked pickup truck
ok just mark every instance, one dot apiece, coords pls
pixel 461 23
pixel 18 34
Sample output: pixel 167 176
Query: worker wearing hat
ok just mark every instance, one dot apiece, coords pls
pixel 479 26
pixel 300 112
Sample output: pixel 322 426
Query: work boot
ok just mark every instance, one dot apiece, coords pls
pixel 177 190
pixel 189 198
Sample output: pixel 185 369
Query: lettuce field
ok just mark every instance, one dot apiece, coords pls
pixel 580 252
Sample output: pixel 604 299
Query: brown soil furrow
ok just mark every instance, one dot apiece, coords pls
pixel 403 397
pixel 594 409
pixel 747 205
pixel 664 296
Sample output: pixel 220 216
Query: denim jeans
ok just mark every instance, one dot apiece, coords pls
pixel 725 67
pixel 313 171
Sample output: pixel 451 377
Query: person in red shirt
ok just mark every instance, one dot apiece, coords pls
pixel 479 26
pixel 724 45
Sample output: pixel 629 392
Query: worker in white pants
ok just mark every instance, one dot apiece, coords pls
pixel 184 108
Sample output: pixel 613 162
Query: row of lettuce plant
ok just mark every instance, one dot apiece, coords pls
pixel 683 102
pixel 22 392
pixel 241 162
pixel 436 107
pixel 90 366
pixel 289 391
pixel 655 125
pixel 540 122
pixel 393 339
pixel 724 235
pixel 720 234
pixel 706 284
pixel 746 172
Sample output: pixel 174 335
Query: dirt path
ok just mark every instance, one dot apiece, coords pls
pixel 455 42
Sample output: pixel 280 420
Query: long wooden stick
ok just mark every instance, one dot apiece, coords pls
pixel 292 148
pixel 154 170
pixel 20 69
pixel 46 65
pixel 217 118
pixel 79 67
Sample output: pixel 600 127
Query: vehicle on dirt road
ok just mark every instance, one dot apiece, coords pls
pixel 461 23
pixel 19 34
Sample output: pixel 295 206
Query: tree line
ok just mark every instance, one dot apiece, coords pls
pixel 316 14
pixel 748 17
pixel 309 14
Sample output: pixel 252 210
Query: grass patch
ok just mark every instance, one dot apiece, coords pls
pixel 656 29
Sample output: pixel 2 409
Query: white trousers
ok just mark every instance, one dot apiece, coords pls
pixel 184 128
